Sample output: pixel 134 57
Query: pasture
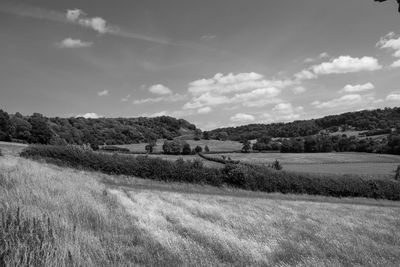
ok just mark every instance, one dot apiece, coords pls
pixel 213 145
pixel 98 224
pixel 378 165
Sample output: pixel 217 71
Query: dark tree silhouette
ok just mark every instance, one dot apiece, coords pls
pixel 398 1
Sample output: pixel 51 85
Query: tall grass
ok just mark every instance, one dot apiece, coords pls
pixel 245 176
pixel 67 218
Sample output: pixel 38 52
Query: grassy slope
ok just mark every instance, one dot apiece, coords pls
pixel 99 225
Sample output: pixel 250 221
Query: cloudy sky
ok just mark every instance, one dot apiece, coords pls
pixel 212 62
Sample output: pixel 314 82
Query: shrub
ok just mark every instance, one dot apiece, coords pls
pixel 115 149
pixel 140 166
pixel 198 149
pixel 172 147
pixel 276 165
pixel 245 176
pixel 206 149
pixel 1 154
pixel 186 150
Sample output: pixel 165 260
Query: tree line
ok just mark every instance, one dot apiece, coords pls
pixel 366 120
pixel 39 129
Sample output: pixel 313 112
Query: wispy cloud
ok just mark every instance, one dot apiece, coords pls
pixel 77 17
pixel 73 43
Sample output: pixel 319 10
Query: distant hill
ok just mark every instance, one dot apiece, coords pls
pixel 111 131
pixel 366 120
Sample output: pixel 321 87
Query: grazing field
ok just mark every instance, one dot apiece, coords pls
pixel 11 148
pixel 96 224
pixel 337 163
pixel 213 145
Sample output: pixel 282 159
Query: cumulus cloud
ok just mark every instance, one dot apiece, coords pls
pixel 357 88
pixel 160 89
pixel 73 43
pixel 340 65
pixel 78 16
pixel 204 110
pixel 390 41
pixel 103 93
pixel 393 97
pixel 284 111
pixel 242 117
pixel 89 116
pixel 248 89
pixel 347 100
pixel 347 64
pixel 396 64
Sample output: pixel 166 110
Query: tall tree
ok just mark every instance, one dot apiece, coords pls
pixel 5 126
pixel 40 132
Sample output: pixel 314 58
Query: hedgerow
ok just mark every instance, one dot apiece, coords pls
pixel 244 176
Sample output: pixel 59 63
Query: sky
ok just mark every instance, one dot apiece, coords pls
pixel 214 63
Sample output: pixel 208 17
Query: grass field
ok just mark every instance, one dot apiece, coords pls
pixel 159 224
pixel 336 163
pixel 213 145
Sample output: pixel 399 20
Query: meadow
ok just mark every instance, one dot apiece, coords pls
pixel 367 164
pixel 96 222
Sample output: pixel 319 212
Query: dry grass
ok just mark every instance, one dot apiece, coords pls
pixel 98 226
pixel 213 230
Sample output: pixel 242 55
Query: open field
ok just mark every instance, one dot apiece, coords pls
pixel 96 224
pixel 11 148
pixel 336 163
pixel 213 145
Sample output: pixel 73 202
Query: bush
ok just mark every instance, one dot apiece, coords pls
pixel 245 176
pixel 198 149
pixel 172 147
pixel 186 150
pixel 140 166
pixel 1 154
pixel 206 149
pixel 115 149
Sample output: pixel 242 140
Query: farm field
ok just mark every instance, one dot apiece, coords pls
pixel 213 145
pixel 336 163
pixel 97 223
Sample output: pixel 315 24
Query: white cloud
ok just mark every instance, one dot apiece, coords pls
pixel 324 55
pixel 305 75
pixel 347 100
pixel 357 88
pixel 340 65
pixel 299 90
pixel 390 41
pixel 73 43
pixel 204 110
pixel 347 64
pixel 74 14
pixel 396 64
pixel 169 98
pixel 160 89
pixel 78 16
pixel 89 116
pixel 247 89
pixel 241 117
pixel 103 93
pixel 126 98
pixel 393 97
